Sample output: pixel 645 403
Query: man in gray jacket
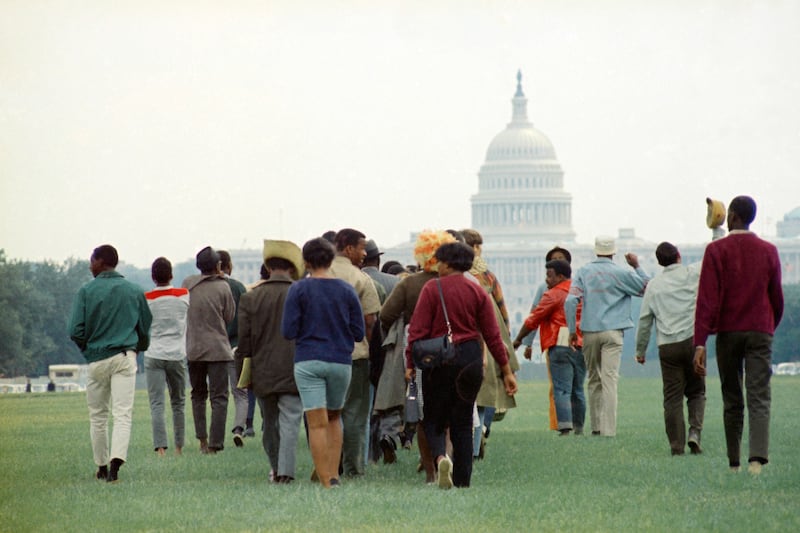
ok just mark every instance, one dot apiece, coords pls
pixel 211 308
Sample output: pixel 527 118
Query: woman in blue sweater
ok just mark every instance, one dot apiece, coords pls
pixel 323 315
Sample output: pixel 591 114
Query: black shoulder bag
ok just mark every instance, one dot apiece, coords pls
pixel 433 353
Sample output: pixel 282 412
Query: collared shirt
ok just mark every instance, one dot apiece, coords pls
pixel 669 302
pixel 343 269
pixel 110 315
pixel 169 306
pixel 605 288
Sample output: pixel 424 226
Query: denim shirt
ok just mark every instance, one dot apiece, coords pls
pixel 605 289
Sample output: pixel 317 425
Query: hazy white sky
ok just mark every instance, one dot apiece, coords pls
pixel 164 126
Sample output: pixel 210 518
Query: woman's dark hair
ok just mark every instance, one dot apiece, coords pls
pixel 389 264
pixel 161 271
pixel 564 251
pixel 279 263
pixel 471 237
pixel 559 267
pixel 457 255
pixel 108 254
pixel 666 254
pixel 318 253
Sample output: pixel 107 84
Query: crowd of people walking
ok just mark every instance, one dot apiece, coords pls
pixel 324 341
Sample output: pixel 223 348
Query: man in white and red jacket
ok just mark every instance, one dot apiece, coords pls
pixel 741 300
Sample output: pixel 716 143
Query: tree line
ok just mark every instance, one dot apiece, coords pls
pixel 36 299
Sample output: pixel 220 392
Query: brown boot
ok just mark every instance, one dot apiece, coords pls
pixel 425 454
pixel 203 446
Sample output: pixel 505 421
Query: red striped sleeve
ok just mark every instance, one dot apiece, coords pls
pixel 177 292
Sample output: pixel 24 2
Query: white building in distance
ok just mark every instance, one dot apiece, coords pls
pixel 522 210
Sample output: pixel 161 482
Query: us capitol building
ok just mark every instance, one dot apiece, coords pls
pixel 522 210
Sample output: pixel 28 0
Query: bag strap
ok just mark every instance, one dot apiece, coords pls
pixel 444 308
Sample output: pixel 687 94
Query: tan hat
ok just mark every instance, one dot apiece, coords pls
pixel 715 214
pixel 285 250
pixel 605 245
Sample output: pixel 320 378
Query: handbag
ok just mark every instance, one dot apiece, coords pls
pixel 438 351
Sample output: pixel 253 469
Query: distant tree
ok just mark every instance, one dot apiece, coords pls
pixel 36 299
pixel 786 344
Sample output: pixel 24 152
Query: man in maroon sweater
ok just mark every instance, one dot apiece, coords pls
pixel 741 300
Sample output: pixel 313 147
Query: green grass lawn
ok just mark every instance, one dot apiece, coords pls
pixel 531 480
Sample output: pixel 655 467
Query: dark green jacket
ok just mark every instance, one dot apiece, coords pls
pixel 110 315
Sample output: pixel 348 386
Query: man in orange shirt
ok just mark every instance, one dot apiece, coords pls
pixel 567 366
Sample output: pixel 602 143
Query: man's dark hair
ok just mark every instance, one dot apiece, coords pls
pixel 264 273
pixel 161 271
pixel 667 254
pixel 330 236
pixel 318 253
pixel 745 208
pixel 348 237
pixel 396 269
pixel 389 264
pixel 279 263
pixel 457 255
pixel 108 254
pixel 471 237
pixel 224 260
pixel 559 267
pixel 564 251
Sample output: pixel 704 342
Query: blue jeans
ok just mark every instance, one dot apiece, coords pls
pixel 568 370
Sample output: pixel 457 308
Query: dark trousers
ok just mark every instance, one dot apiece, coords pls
pixel 355 420
pixel 679 379
pixel 449 393
pixel 210 378
pixel 747 352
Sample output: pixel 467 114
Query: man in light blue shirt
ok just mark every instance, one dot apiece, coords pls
pixel 605 289
pixel 669 303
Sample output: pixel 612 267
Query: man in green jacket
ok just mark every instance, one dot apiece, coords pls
pixel 110 323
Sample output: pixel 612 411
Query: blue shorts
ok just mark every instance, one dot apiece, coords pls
pixel 322 385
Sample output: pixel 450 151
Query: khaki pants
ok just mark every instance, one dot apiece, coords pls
pixel 602 351
pixel 110 388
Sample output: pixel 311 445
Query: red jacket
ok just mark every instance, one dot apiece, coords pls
pixel 549 315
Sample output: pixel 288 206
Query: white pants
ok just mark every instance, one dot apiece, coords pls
pixel 111 386
pixel 602 352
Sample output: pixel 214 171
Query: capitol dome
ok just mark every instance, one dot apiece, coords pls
pixel 521 195
pixel 520 143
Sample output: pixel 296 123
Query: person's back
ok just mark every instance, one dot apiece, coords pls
pixel 169 306
pixel 327 323
pixel 747 270
pixel 606 289
pixel 111 315
pixel 272 355
pixel 211 308
pixel 671 297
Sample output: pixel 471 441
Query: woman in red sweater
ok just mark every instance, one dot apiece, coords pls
pixel 450 390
